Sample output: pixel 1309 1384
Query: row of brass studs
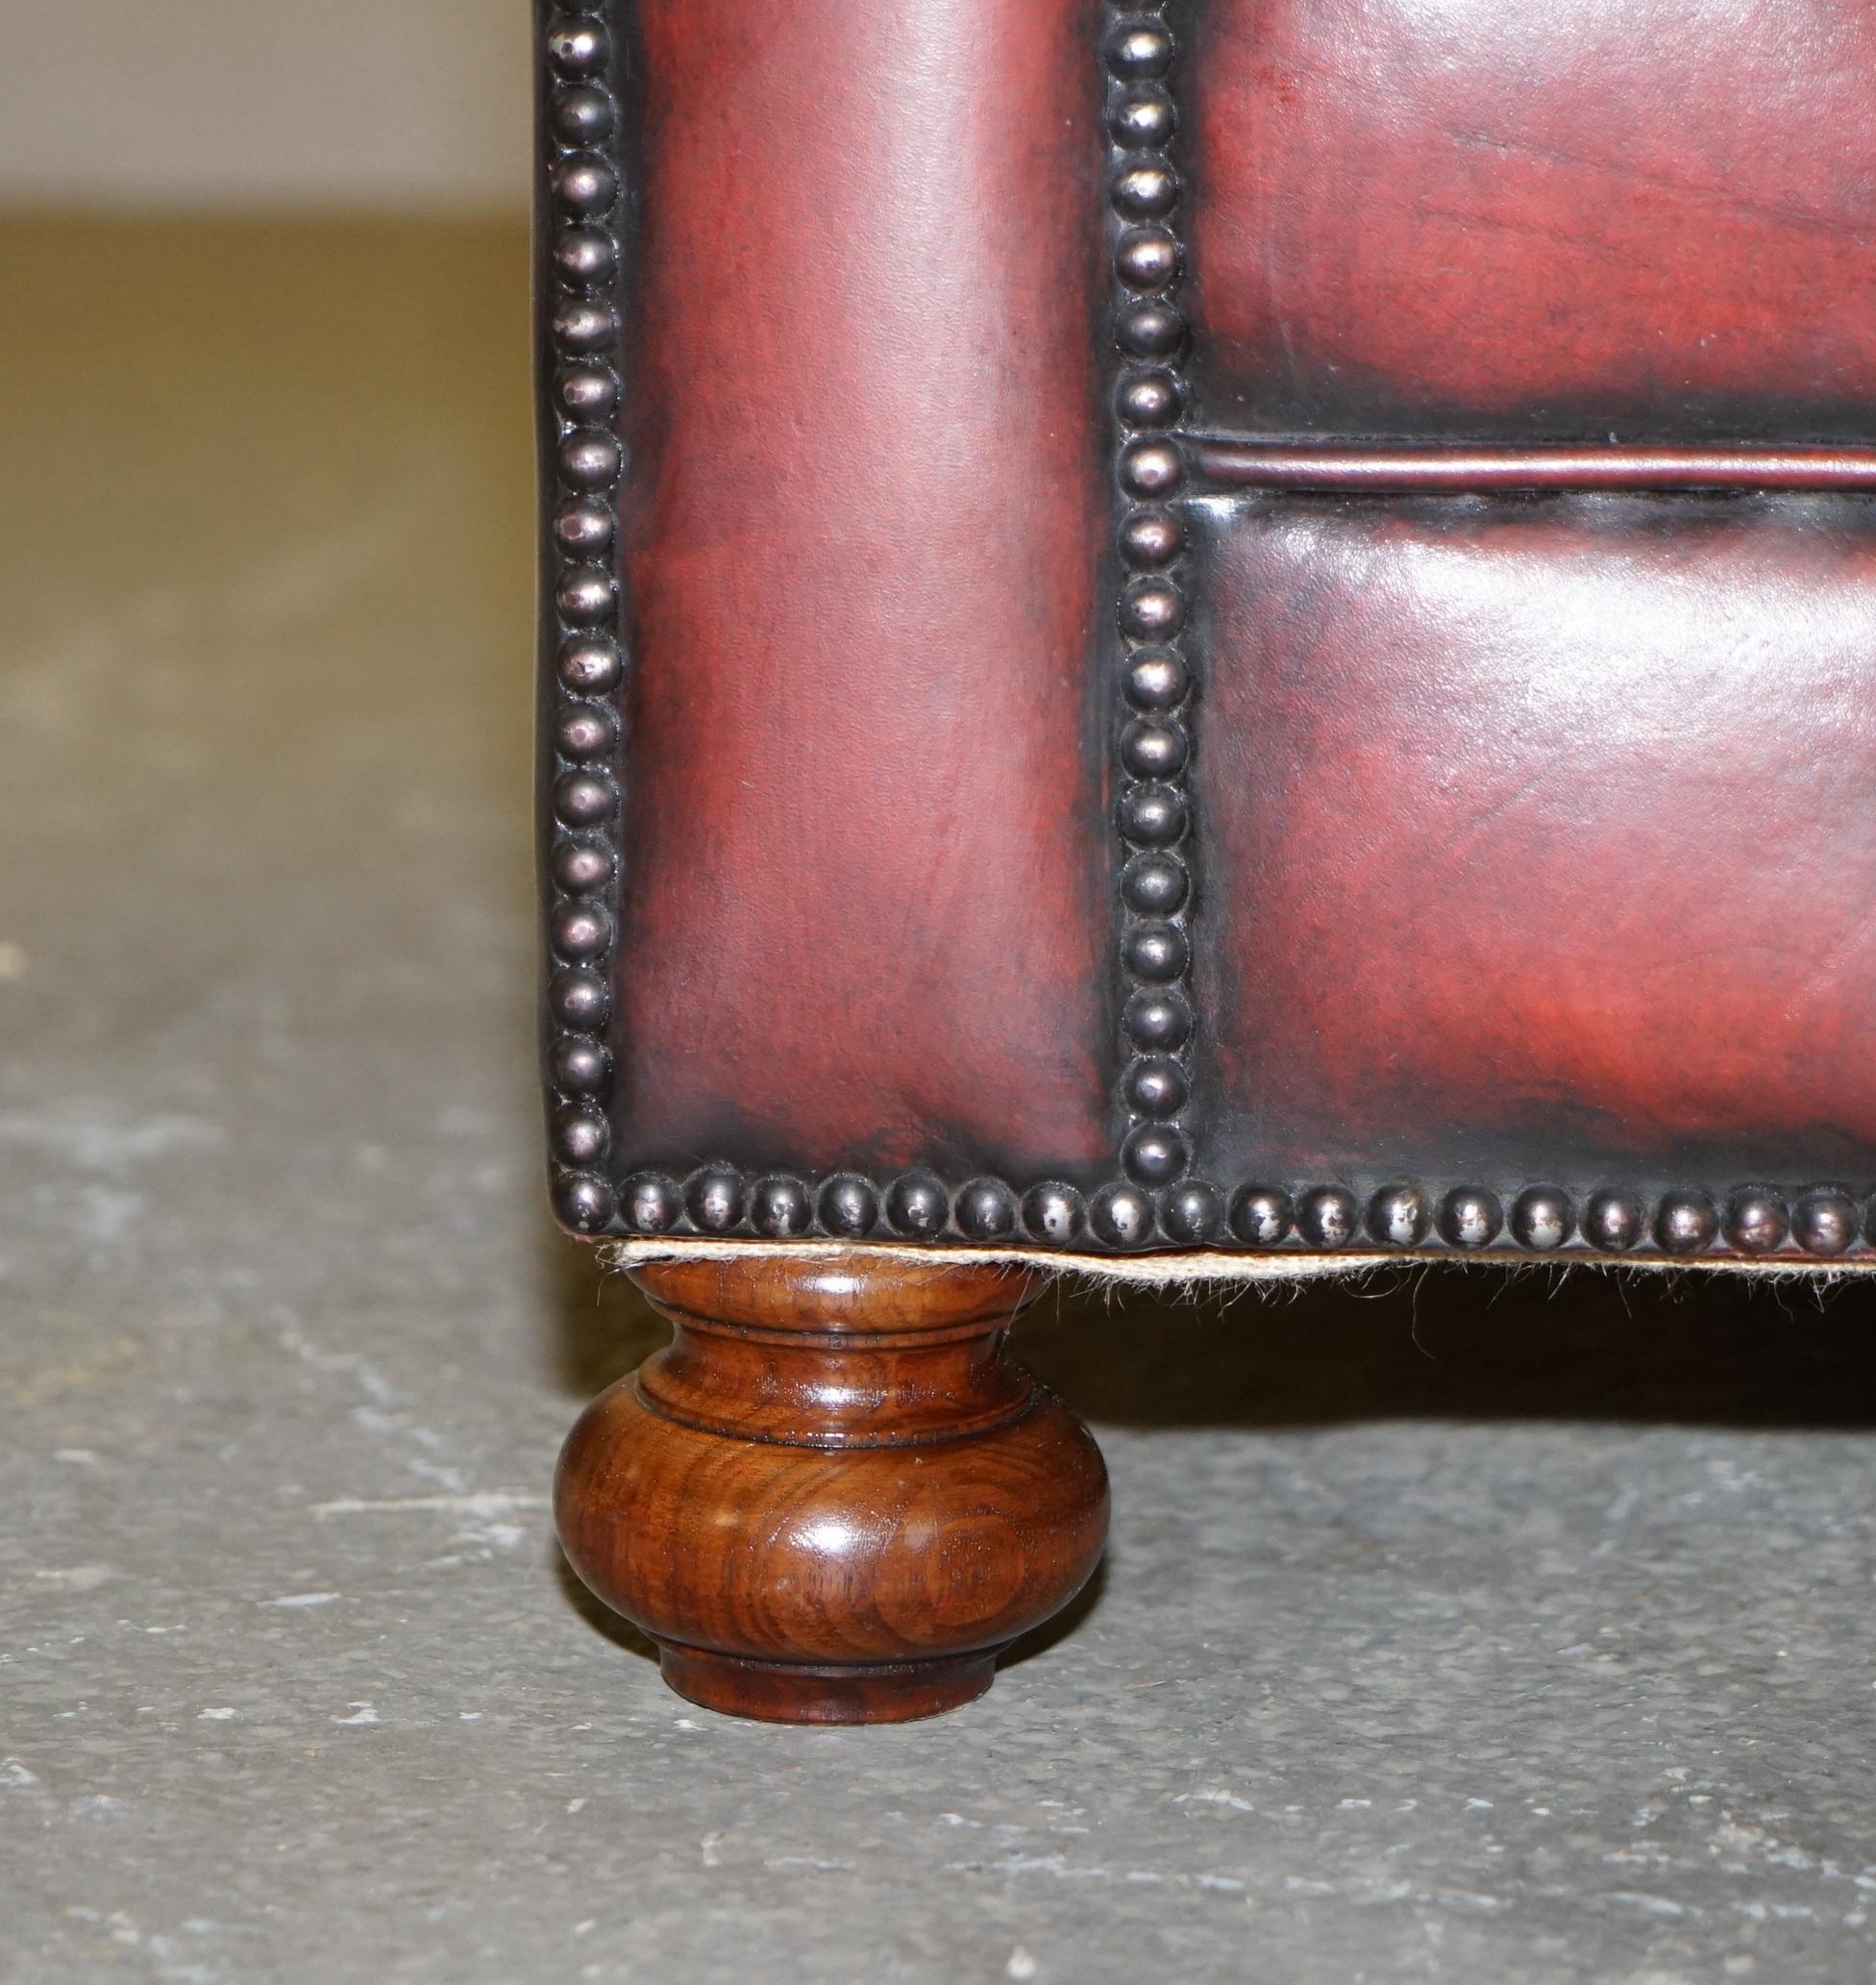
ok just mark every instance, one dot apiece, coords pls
pixel 1157 1198
pixel 582 113
pixel 1825 1222
pixel 719 1201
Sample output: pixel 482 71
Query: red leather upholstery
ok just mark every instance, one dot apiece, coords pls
pixel 864 927
pixel 1537 216
pixel 1539 840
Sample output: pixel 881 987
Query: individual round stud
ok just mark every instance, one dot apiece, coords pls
pixel 778 1207
pixel 579 1134
pixel 1156 953
pixel 1329 1217
pixel 579 115
pixel 1470 1218
pixel 1150 330
pixel 583 868
pixel 986 1210
pixel 584 325
pixel 1142 120
pixel 582 527
pixel 585 595
pixel 579 1000
pixel 1151 538
pixel 586 730
pixel 1191 1213
pixel 590 459
pixel 1399 1216
pixel 578 47
pixel 1146 258
pixel 580 931
pixel 1154 885
pixel 1686 1224
pixel 1149 399
pixel 1155 1086
pixel 1148 190
pixel 1757 1222
pixel 714 1199
pixel 1824 1222
pixel 1152 816
pixel 1122 1216
pixel 1151 609
pixel 849 1207
pixel 1155 1154
pixel 586 393
pixel 590 665
pixel 583 799
pixel 586 255
pixel 651 1204
pixel 576 1066
pixel 1150 469
pixel 1138 50
pixel 1054 1213
pixel 1157 1022
pixel 582 1201
pixel 1153 749
pixel 1543 1218
pixel 584 184
pixel 1157 680
pixel 918 1206
pixel 1262 1216
pixel 1614 1221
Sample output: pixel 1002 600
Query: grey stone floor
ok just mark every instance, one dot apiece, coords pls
pixel 1455 1630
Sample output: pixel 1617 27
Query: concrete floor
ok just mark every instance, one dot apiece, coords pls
pixel 1459 1630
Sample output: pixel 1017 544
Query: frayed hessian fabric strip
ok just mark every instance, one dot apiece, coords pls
pixel 1169 1270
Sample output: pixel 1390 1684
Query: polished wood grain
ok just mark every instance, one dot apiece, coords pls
pixel 832 1497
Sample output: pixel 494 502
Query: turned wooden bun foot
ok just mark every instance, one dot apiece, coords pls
pixel 832 1499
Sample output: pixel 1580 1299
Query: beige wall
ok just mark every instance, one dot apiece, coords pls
pixel 244 103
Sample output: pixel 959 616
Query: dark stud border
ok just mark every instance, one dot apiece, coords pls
pixel 1817 1227
pixel 1155 1199
pixel 584 463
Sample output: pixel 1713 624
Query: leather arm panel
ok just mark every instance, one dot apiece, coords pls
pixel 860 534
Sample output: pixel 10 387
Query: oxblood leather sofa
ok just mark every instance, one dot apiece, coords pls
pixel 1225 639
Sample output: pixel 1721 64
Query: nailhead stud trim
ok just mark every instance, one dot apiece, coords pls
pixel 1159 1200
pixel 588 460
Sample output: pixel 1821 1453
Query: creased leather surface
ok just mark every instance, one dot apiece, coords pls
pixel 864 907
pixel 1540 840
pixel 1538 217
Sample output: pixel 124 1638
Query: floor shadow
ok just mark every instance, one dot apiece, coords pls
pixel 598 1326
pixel 1467 1342
pixel 599 1616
